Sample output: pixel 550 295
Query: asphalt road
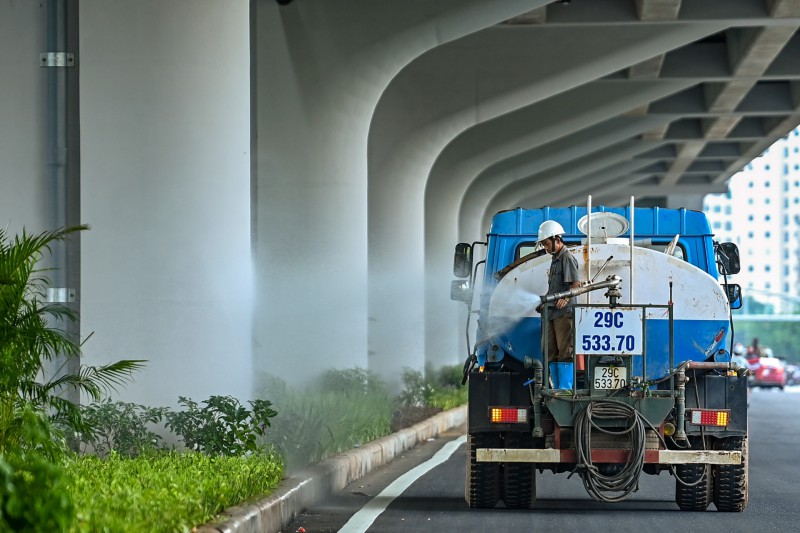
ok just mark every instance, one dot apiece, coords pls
pixel 434 501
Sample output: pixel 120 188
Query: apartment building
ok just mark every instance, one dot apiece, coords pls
pixel 761 214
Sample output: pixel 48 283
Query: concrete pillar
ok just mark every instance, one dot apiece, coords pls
pixel 23 151
pixel 320 68
pixel 165 168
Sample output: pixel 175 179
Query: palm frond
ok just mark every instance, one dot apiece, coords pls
pixel 30 333
pixel 109 376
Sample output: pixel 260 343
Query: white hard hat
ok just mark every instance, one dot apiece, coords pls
pixel 738 349
pixel 549 228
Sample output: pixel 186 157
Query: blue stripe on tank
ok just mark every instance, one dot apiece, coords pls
pixel 695 340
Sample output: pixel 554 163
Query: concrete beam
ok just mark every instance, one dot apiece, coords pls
pixel 578 175
pixel 598 182
pixel 657 10
pixel 784 8
pixel 532 17
pixel 779 130
pixel 656 133
pixel 687 153
pixel 648 69
pixel 751 50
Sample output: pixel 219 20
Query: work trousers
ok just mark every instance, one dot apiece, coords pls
pixel 560 345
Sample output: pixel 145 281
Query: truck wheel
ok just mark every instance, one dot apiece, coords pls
pixel 520 478
pixel 692 497
pixel 731 491
pixel 483 479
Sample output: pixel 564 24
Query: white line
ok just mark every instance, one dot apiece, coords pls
pixel 364 518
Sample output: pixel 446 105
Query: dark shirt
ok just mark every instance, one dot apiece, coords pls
pixel 562 274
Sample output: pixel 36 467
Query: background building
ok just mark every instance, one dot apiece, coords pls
pixel 761 214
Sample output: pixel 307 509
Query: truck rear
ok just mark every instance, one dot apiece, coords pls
pixel 652 388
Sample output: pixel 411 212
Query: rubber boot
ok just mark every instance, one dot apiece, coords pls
pixel 565 374
pixel 554 374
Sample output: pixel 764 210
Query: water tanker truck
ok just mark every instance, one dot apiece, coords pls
pixel 652 389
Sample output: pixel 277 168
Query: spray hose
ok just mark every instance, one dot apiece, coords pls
pixel 626 481
pixel 611 282
pixel 614 487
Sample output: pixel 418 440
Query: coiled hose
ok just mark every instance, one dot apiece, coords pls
pixel 615 487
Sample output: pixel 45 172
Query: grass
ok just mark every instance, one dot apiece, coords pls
pixel 164 491
pixel 175 491
pixel 135 486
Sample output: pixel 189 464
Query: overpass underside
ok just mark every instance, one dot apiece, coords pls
pixel 278 188
pixel 417 124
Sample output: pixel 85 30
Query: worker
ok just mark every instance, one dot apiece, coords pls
pixel 738 355
pixel 562 276
pixel 753 350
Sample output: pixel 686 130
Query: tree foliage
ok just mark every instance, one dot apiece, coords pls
pixel 32 407
pixel 781 336
pixel 29 339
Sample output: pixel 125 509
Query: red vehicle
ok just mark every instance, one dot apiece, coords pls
pixel 768 372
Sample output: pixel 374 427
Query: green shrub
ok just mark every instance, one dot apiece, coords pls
pixel 224 426
pixel 447 391
pixel 33 494
pixel 356 382
pixel 447 376
pixel 343 410
pixel 121 427
pixel 448 398
pixel 347 408
pixel 417 390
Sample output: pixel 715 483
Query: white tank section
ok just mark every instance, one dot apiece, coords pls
pixel 696 294
pixel 700 305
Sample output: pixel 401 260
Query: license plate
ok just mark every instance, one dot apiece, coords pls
pixel 608 331
pixel 610 377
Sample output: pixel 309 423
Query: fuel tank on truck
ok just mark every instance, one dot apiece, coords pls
pixel 700 307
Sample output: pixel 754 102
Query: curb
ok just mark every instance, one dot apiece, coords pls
pixel 306 488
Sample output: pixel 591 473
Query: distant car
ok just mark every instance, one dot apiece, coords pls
pixel 768 372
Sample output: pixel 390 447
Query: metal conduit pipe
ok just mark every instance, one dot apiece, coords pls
pixel 680 401
pixel 62 172
pixel 536 397
pixel 57 133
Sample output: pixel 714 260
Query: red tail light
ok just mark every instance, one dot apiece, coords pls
pixel 710 417
pixel 508 415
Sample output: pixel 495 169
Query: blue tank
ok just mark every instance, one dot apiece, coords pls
pixel 671 258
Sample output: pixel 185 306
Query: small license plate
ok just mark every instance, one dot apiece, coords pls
pixel 610 377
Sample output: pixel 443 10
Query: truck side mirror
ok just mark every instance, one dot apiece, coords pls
pixel 728 258
pixel 460 291
pixel 734 292
pixel 462 260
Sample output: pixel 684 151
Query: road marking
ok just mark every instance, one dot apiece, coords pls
pixel 363 519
